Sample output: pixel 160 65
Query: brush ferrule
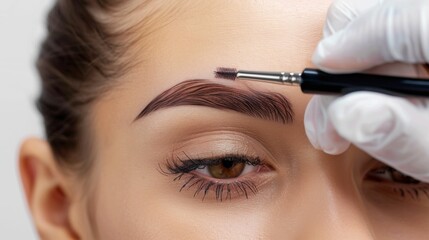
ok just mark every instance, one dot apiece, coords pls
pixel 278 77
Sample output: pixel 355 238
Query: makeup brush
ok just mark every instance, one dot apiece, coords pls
pixel 319 82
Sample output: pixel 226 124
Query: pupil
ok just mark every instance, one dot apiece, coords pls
pixel 227 163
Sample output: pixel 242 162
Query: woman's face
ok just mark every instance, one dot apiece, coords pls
pixel 221 170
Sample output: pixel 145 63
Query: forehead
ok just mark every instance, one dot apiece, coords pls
pixel 191 38
pixel 276 35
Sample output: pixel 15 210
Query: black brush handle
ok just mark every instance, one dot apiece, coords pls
pixel 319 82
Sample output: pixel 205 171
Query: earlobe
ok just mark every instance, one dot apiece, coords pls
pixel 45 190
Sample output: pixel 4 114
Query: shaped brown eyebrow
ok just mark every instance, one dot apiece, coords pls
pixel 264 105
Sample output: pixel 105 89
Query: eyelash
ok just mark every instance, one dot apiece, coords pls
pixel 406 189
pixel 183 170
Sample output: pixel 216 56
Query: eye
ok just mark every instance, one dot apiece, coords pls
pixel 398 183
pixel 390 174
pixel 225 176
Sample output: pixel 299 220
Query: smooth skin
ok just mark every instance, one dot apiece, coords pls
pixel 306 194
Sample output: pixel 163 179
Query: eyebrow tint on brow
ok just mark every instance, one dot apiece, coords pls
pixel 264 105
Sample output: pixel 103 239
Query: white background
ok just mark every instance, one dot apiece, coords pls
pixel 22 27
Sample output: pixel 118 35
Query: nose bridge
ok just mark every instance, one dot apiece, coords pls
pixel 338 212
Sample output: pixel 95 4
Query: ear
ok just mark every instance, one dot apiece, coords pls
pixel 45 188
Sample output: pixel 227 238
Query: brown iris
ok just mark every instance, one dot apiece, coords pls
pixel 226 169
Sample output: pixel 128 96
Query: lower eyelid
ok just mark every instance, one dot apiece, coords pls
pixel 416 192
pixel 244 186
pixel 206 189
pixel 413 192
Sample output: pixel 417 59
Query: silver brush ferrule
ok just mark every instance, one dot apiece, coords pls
pixel 277 77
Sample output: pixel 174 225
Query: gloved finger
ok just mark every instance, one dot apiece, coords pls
pixel 391 129
pixel 319 128
pixel 342 12
pixel 391 32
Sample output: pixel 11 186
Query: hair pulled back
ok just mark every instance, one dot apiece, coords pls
pixel 76 63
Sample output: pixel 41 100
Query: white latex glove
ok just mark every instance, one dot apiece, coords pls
pixel 358 35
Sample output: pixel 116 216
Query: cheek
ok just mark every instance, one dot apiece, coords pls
pixel 126 197
pixel 391 220
pixel 133 205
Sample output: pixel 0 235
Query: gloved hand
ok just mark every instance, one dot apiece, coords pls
pixel 362 34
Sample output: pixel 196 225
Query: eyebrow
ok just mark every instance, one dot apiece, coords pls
pixel 264 105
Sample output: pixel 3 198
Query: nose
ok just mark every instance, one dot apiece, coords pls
pixel 335 208
pixel 329 206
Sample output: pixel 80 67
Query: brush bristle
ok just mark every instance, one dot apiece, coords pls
pixel 226 73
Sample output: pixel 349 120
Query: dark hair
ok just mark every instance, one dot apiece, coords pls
pixel 77 62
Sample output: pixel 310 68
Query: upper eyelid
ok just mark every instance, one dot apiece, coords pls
pixel 239 142
pixel 216 159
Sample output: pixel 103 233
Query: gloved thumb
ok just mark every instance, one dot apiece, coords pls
pixel 391 129
pixel 319 129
